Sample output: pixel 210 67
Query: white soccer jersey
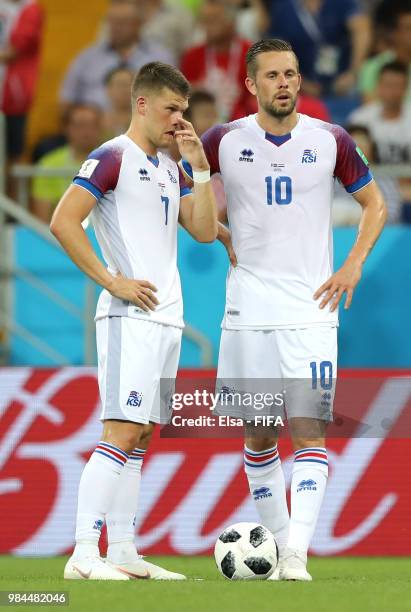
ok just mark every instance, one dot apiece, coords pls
pixel 135 220
pixel 279 193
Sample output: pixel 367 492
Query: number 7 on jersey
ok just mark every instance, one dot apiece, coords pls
pixel 165 200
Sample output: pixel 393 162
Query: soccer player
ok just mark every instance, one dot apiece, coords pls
pixel 278 169
pixel 136 196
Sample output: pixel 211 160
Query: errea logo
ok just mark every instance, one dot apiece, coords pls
pixel 262 493
pixel 307 485
pixel 246 155
pixel 144 175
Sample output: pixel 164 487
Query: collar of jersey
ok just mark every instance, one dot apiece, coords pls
pixel 154 160
pixel 151 158
pixel 277 140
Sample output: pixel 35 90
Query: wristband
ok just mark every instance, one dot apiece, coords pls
pixel 201 177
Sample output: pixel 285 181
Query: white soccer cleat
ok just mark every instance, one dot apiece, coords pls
pixel 293 566
pixel 92 568
pixel 276 573
pixel 140 569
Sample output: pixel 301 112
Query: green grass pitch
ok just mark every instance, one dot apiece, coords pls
pixel 340 584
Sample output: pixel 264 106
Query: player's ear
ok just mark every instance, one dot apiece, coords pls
pixel 250 84
pixel 299 82
pixel 141 105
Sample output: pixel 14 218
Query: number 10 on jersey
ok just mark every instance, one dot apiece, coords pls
pixel 283 191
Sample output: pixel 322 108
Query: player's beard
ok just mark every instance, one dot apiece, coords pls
pixel 278 112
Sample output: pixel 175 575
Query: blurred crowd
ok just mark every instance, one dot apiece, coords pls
pixel 355 59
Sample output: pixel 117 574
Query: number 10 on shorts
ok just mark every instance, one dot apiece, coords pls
pixel 326 374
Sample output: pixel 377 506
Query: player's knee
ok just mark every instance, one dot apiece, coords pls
pixel 259 438
pixel 307 432
pixel 300 442
pixel 127 442
pixel 125 436
pixel 145 436
pixel 258 444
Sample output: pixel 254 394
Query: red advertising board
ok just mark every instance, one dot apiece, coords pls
pixel 192 488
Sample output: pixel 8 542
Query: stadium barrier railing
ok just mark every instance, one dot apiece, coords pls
pixel 24 173
pixel 8 272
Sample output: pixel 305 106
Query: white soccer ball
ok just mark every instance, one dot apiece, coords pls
pixel 246 551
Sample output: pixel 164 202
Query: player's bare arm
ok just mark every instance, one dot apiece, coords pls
pixel 198 213
pixel 374 215
pixel 224 236
pixel 75 205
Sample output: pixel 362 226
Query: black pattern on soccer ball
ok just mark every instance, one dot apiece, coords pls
pixel 228 565
pixel 229 536
pixel 258 535
pixel 258 565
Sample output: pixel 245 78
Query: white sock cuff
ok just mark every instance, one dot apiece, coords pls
pixel 111 453
pixel 135 460
pixel 259 463
pixel 137 455
pixel 311 458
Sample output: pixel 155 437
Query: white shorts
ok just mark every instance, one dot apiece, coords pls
pixel 134 357
pixel 300 363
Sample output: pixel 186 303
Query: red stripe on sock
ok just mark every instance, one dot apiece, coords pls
pixel 260 458
pixel 311 455
pixel 110 451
